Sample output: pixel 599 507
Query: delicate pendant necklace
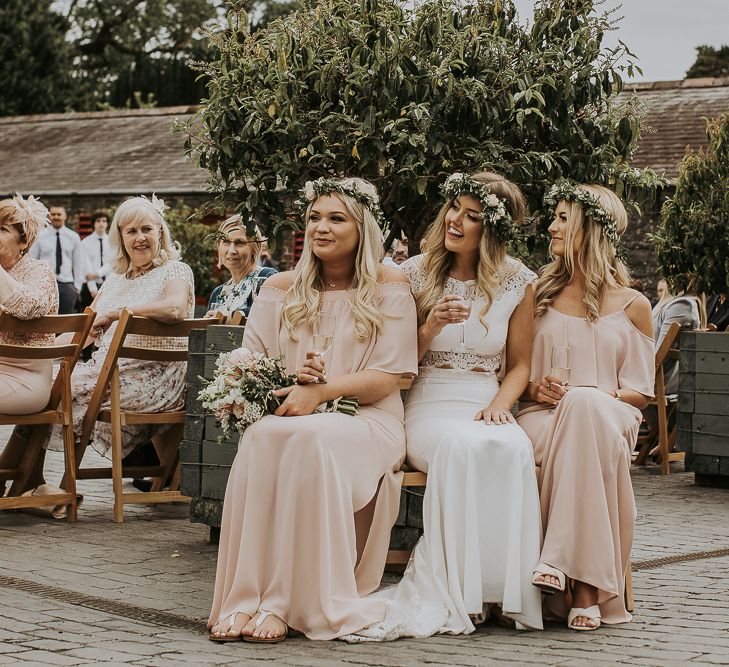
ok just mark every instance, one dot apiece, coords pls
pixel 145 269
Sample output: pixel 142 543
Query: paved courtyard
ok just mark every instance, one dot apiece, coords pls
pixel 138 593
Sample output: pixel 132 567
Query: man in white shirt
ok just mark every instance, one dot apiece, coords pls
pixel 97 257
pixel 60 248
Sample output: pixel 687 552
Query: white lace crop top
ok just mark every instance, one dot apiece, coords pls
pixel 486 347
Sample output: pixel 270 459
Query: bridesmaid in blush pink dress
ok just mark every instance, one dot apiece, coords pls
pixel 584 427
pixel 311 498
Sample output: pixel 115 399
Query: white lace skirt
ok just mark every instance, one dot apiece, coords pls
pixel 481 516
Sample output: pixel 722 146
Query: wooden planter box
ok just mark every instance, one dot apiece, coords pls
pixel 703 405
pixel 205 463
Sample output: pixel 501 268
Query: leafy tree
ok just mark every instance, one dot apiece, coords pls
pixel 35 59
pixel 709 62
pixel 694 233
pixel 124 46
pixel 404 96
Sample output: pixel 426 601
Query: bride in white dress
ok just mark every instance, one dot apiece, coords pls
pixel 481 516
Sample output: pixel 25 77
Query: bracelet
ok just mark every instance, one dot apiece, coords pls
pixel 616 395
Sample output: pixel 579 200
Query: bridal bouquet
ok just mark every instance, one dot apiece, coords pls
pixel 241 391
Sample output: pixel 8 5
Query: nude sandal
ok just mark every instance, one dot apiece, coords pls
pixel 591 613
pixel 224 638
pixel 544 569
pixel 262 616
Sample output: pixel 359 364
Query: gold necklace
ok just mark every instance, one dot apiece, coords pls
pixel 144 270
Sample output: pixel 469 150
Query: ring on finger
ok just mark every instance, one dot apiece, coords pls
pixel 549 386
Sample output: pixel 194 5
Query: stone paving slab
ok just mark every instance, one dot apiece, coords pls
pixel 157 560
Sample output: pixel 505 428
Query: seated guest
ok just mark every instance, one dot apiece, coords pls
pixel 685 310
pixel 592 372
pixel 27 290
pixel 717 311
pixel 239 254
pixel 292 552
pixel 149 279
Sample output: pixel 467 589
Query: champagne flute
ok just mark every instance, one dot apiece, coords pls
pixel 466 303
pixel 323 335
pixel 561 363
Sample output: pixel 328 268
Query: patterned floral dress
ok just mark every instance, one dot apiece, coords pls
pixel 146 386
pixel 230 297
pixel 25 385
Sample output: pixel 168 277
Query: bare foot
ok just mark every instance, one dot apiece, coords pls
pixel 584 596
pixel 231 627
pixel 272 627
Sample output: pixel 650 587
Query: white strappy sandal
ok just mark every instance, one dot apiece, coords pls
pixel 262 616
pixel 223 638
pixel 547 570
pixel 591 613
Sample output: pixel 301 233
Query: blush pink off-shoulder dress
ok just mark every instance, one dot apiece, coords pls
pixel 583 450
pixel 288 542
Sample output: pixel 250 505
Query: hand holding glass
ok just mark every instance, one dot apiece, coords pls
pixel 465 304
pixel 561 363
pixel 323 335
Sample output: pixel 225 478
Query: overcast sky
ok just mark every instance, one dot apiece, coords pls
pixel 664 33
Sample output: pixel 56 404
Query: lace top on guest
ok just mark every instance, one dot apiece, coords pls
pixel 487 346
pixel 36 295
pixel 118 291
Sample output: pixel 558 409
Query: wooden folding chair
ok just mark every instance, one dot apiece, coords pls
pixel 167 444
pixel 660 434
pixel 57 411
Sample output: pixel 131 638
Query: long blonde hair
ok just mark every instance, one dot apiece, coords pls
pixel 491 251
pixel 596 257
pixel 303 298
pixel 140 209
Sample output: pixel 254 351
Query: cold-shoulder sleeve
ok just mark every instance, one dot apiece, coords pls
pixel 637 370
pixel 396 348
pixel 264 322
pixel 36 291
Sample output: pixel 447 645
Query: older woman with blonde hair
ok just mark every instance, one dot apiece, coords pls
pixel 238 253
pixel 311 497
pixel 28 290
pixel 148 278
pixel 592 372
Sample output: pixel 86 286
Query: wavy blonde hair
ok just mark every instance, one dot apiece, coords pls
pixel 138 210
pixel 235 224
pixel 303 298
pixel 596 257
pixel 491 251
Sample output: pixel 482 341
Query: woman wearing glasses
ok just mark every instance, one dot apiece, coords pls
pixel 239 254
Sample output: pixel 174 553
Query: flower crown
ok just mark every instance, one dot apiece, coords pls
pixel 564 190
pixel 31 214
pixel 323 186
pixel 493 209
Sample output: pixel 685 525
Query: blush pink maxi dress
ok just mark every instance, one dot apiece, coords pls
pixel 583 450
pixel 288 541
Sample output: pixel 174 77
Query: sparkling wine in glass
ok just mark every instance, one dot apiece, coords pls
pixel 466 303
pixel 323 335
pixel 561 363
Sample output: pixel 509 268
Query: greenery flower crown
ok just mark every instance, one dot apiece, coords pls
pixel 564 190
pixel 323 186
pixel 493 209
